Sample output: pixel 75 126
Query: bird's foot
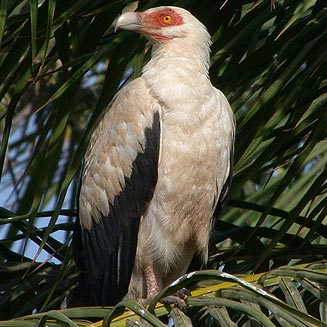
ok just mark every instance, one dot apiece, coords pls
pixel 175 301
pixel 178 299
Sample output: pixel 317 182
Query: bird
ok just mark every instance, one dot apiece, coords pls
pixel 158 164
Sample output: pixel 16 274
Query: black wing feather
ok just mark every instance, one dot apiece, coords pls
pixel 105 254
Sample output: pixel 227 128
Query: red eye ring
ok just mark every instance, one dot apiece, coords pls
pixel 167 19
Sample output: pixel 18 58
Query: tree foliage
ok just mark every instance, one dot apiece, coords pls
pixel 61 63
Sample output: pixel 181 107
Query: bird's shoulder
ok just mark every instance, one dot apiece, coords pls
pixel 131 101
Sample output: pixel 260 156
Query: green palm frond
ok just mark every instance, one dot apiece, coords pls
pixel 281 297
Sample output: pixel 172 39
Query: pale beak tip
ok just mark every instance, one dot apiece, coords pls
pixel 127 21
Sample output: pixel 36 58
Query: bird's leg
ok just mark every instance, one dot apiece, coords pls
pixel 152 289
pixel 151 284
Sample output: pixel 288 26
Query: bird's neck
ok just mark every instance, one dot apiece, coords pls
pixel 176 76
pixel 186 54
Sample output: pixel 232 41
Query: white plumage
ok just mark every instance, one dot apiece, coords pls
pixel 155 168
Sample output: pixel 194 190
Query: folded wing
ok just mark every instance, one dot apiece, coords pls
pixel 118 180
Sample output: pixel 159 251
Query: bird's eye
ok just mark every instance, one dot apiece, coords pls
pixel 167 19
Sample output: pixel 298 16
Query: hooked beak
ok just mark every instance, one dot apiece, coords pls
pixel 137 22
pixel 128 21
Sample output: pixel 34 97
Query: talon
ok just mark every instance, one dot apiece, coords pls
pixel 183 293
pixel 174 300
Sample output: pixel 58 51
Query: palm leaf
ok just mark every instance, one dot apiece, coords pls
pixel 281 297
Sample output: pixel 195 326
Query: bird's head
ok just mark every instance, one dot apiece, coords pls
pixel 162 24
pixel 173 32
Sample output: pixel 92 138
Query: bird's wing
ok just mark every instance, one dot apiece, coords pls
pixel 228 182
pixel 118 180
pixel 226 133
pixel 229 139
